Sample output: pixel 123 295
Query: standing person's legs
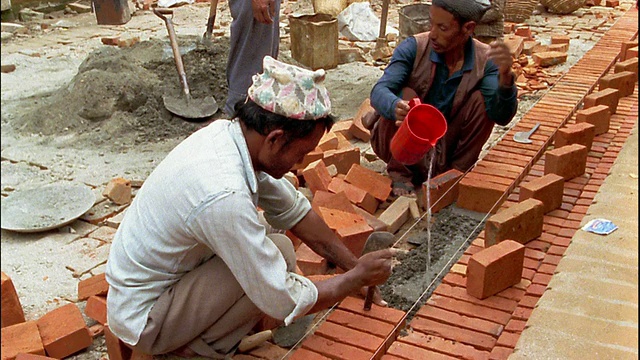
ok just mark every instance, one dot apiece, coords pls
pixel 250 42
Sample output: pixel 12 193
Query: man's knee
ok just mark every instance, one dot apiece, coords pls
pixel 285 246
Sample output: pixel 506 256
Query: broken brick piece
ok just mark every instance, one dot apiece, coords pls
pixel 580 133
pixel 95 285
pixel 521 222
pixel 110 40
pixel 64 332
pixel 549 189
pixel 21 338
pixel 599 116
pixel 568 161
pixel 12 312
pixel 118 190
pixel 608 97
pixel 560 39
pixel 494 269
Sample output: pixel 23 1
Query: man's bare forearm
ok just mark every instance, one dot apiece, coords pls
pixel 314 232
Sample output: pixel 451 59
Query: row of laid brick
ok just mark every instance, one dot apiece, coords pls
pixel 561 236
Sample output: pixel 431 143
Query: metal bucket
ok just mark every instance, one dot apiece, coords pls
pixel 314 40
pixel 413 19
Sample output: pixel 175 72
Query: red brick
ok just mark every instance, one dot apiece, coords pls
pixel 328 141
pixel 524 31
pixel 442 190
pixel 95 285
pixel 623 81
pixel 515 326
pixel 453 318
pixel 624 47
pixel 548 189
pixel 338 219
pixel 521 222
pixel 372 220
pixel 304 354
pixel 529 301
pixel 372 182
pixel 386 314
pixel 559 47
pixel 494 302
pixel 23 356
pixel 354 321
pixel 495 269
pixel 349 336
pixel 568 161
pixel 328 200
pixel 508 339
pixel 480 196
pixel 522 313
pixel 455 280
pixel 316 176
pixel 309 262
pixel 96 309
pixel 536 289
pixel 469 309
pixel 560 39
pixel 357 129
pixel 316 154
pixel 335 349
pixel 408 351
pixel 116 349
pixel 549 58
pixel 598 115
pixel 515 43
pixel 12 312
pixel 21 338
pixel 455 333
pixel 608 97
pixel 612 3
pixel 266 351
pixel 118 190
pixel 63 331
pixel 355 236
pixel 512 293
pixel 627 65
pixel 501 352
pixel 579 133
pixel 342 159
pixel 448 347
pixel 356 195
pixel 110 40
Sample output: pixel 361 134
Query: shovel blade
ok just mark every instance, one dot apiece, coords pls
pixel 191 108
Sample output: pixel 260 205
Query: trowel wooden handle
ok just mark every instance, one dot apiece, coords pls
pixel 368 300
pixel 255 340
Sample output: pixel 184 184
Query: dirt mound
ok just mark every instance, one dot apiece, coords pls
pixel 117 93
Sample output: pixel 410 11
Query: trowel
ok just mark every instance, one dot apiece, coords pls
pixel 522 137
pixel 378 240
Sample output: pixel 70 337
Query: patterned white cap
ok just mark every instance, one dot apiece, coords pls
pixel 290 91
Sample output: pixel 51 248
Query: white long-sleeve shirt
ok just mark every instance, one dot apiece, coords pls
pixel 198 203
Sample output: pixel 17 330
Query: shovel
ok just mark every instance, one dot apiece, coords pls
pixel 378 240
pixel 522 137
pixel 185 106
pixel 210 21
pixel 382 49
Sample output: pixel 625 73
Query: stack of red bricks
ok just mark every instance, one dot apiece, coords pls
pixel 55 335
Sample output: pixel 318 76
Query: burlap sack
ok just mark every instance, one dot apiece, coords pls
pixel 518 11
pixel 563 6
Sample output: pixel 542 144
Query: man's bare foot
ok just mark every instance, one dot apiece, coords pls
pixel 403 188
pixel 369 119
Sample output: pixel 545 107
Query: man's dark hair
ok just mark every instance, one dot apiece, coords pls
pixel 263 122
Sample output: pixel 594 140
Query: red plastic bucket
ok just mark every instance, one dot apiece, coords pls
pixel 423 126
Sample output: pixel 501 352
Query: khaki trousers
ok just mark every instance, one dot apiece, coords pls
pixel 206 310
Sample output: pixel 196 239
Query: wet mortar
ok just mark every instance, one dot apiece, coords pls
pixel 411 283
